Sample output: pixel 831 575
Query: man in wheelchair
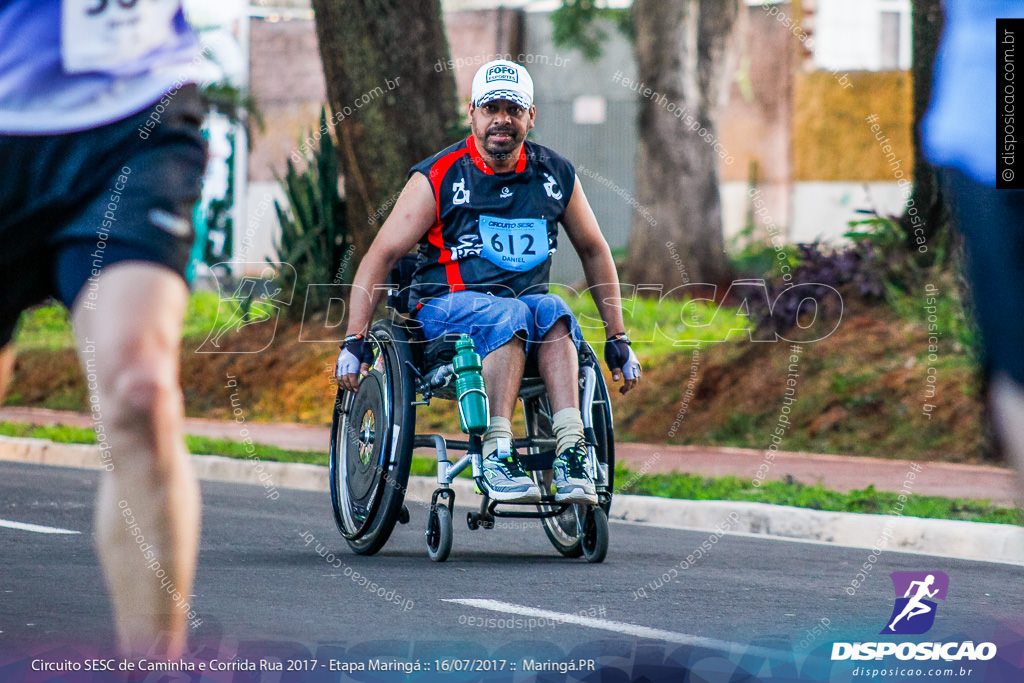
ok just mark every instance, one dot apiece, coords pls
pixel 485 214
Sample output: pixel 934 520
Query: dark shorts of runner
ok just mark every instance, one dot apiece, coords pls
pixel 75 203
pixel 992 223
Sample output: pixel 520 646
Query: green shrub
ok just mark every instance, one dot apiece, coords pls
pixel 659 327
pixel 45 327
pixel 315 238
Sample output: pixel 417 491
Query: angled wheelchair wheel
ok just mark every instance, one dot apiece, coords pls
pixel 565 530
pixel 371 444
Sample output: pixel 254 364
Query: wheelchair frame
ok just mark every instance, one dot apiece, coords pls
pixel 369 464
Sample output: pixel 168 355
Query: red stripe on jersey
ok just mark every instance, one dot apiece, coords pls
pixel 434 236
pixel 475 154
pixel 482 165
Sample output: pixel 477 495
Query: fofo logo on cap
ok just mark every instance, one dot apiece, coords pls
pixel 502 72
pixel 502 80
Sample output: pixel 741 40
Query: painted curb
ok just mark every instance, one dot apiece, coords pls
pixel 890 533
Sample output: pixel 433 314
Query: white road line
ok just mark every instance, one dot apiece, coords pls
pixel 35 527
pixel 618 627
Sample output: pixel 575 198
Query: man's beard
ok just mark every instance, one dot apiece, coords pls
pixel 501 149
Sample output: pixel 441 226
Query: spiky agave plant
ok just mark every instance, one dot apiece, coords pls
pixel 315 238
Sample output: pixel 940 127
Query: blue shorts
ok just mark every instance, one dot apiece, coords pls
pixel 494 320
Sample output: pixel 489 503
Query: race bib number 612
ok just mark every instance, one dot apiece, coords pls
pixel 106 35
pixel 517 244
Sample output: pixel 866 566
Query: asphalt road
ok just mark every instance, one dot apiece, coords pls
pixel 263 589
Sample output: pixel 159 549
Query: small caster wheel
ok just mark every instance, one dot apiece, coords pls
pixel 594 539
pixel 472 521
pixel 439 533
pixel 403 516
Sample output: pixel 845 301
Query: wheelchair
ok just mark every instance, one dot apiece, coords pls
pixel 373 438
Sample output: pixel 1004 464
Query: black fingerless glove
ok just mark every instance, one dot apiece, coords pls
pixel 354 351
pixel 616 351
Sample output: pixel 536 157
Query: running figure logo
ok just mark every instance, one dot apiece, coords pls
pixel 252 302
pixel 914 612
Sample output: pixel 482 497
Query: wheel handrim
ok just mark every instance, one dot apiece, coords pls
pixel 358 483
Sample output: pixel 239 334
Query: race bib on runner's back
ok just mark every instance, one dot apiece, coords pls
pixel 106 35
pixel 517 244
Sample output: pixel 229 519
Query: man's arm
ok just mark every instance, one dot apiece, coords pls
pixel 414 213
pixel 596 256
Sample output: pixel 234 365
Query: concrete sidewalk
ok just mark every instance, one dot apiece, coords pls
pixel 878 533
pixel 836 472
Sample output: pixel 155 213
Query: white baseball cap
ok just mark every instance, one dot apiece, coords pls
pixel 502 80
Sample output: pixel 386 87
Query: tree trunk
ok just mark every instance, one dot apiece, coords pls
pixel 683 50
pixel 927 197
pixel 392 96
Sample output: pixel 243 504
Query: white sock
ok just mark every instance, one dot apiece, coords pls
pixel 567 424
pixel 500 428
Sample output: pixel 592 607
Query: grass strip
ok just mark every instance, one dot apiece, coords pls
pixel 673 485
pixel 813 496
pixel 196 444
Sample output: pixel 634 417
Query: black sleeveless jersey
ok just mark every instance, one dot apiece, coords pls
pixel 494 232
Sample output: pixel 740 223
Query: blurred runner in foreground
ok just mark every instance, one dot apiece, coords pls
pixel 960 136
pixel 101 158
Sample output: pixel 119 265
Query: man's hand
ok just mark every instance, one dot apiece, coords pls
pixel 353 361
pixel 621 360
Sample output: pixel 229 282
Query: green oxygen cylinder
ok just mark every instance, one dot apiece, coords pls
pixel 469 385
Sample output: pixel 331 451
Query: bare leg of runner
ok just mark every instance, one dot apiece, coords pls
pixel 130 341
pixel 1007 399
pixel 7 355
